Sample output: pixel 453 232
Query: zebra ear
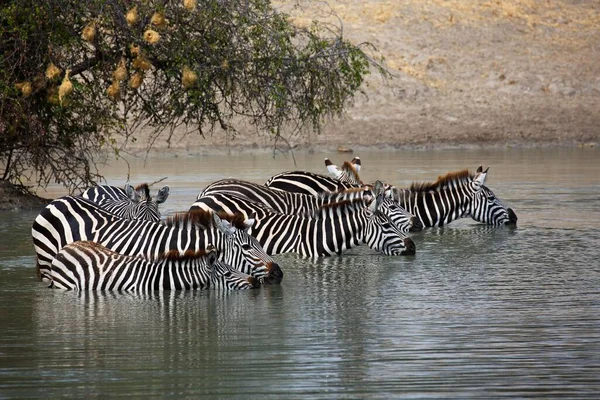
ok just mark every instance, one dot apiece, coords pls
pixel 162 195
pixel 479 178
pixel 374 206
pixel 249 222
pixel 480 169
pixel 332 169
pixel 378 188
pixel 130 191
pixel 223 225
pixel 356 163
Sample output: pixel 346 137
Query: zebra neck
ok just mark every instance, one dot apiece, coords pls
pixel 437 207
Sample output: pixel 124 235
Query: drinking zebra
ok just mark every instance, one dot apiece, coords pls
pixel 455 195
pixel 70 219
pixel 329 230
pixel 85 265
pixel 292 203
pixel 130 203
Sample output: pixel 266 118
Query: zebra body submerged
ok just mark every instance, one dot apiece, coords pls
pixel 70 219
pixel 294 203
pixel 85 265
pixel 330 230
pixel 129 203
pixel 453 196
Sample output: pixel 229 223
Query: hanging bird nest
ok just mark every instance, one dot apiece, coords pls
pixel 66 87
pixel 52 72
pixel 151 36
pixel 189 5
pixel 114 91
pixel 134 50
pixel 132 16
pixel 136 80
pixel 141 63
pixel 24 87
pixel 89 32
pixel 120 73
pixel 188 78
pixel 158 19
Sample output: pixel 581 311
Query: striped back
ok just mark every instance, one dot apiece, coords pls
pixel 131 203
pixel 330 230
pixel 453 196
pixel 85 265
pixel 280 201
pixel 70 219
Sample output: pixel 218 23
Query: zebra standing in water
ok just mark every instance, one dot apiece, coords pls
pixel 130 203
pixel 70 219
pixel 86 265
pixel 332 229
pixel 292 203
pixel 456 195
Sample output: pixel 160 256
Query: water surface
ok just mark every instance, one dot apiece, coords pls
pixel 477 312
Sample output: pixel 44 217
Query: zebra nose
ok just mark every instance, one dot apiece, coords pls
pixel 253 282
pixel 512 217
pixel 417 225
pixel 411 249
pixel 275 274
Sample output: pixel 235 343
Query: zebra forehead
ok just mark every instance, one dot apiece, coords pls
pixel 144 189
pixel 203 218
pixel 442 181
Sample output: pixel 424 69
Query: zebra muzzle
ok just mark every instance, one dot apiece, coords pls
pixel 275 274
pixel 512 218
pixel 416 224
pixel 411 249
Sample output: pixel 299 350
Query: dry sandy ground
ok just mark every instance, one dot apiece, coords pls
pixel 466 72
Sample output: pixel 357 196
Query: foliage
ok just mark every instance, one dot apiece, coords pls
pixel 158 64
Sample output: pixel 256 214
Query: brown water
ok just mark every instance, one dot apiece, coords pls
pixel 478 312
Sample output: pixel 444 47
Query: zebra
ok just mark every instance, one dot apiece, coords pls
pixel 130 203
pixel 69 219
pixel 429 212
pixel 332 229
pixel 455 195
pixel 290 203
pixel 86 265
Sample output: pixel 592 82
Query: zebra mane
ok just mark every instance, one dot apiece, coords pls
pixel 352 172
pixel 442 181
pixel 338 204
pixel 144 189
pixel 200 217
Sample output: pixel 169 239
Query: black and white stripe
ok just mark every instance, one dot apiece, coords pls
pixel 70 219
pixel 453 196
pixel 130 203
pixel 85 265
pixel 293 203
pixel 330 230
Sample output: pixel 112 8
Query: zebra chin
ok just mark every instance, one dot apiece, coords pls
pixel 416 225
pixel 512 218
pixel 411 249
pixel 274 274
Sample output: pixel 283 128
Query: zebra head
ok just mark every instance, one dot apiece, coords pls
pixel 225 277
pixel 485 206
pixel 146 207
pixel 402 219
pixel 240 248
pixel 382 232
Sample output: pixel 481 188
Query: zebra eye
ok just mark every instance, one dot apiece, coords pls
pixel 246 246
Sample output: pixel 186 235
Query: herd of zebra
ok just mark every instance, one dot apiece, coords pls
pixel 110 238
